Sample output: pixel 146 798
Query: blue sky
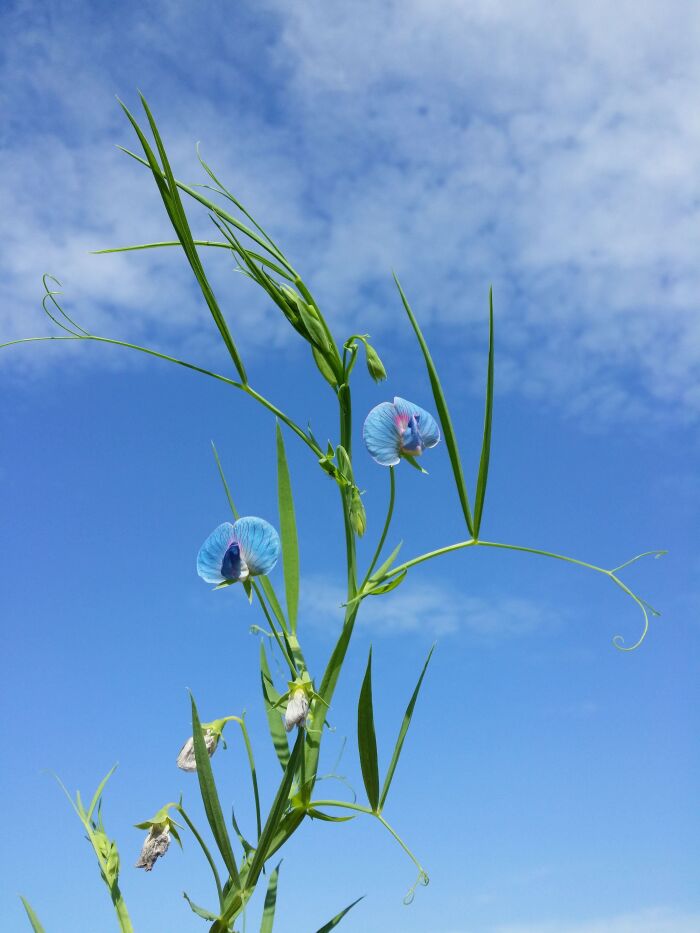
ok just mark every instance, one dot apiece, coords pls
pixel 549 783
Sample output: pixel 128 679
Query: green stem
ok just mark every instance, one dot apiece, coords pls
pixel 360 809
pixel 253 774
pixel 207 854
pixel 618 641
pixel 387 523
pixel 280 643
pixel 198 369
pixel 272 250
pixel 122 912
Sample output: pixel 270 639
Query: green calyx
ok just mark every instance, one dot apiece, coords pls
pixel 162 821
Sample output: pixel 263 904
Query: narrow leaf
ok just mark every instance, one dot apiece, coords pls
pixel 289 824
pixel 276 813
pixel 268 917
pixel 33 919
pixel 326 928
pixel 200 911
pixel 288 532
pixel 486 443
pixel 247 847
pixel 210 798
pixel 167 187
pixel 378 574
pixel 271 698
pixel 366 738
pixel 402 731
pixel 98 793
pixel 327 818
pixel 443 413
pixel 224 483
pixel 391 585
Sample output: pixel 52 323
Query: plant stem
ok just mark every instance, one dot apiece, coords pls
pixel 198 369
pixel 122 912
pixel 205 850
pixel 253 773
pixel 385 531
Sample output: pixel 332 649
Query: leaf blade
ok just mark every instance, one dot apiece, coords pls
pixel 480 494
pixel 327 927
pixel 288 532
pixel 406 722
pixel 443 413
pixel 210 798
pixel 271 697
pixel 276 812
pixel 268 917
pixel 367 739
pixel 33 919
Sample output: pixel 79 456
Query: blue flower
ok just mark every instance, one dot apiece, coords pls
pixel 249 547
pixel 399 429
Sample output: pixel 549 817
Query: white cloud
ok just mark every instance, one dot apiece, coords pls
pixel 547 149
pixel 431 608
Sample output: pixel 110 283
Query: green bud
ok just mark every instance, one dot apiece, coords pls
pixel 374 364
pixel 358 517
pixel 344 464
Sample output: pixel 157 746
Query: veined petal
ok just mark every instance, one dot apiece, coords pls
pixel 382 435
pixel 425 423
pixel 212 552
pixel 259 544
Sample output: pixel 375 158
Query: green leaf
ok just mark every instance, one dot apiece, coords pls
pixel 210 797
pixel 366 738
pixel 313 326
pixel 378 574
pixel 33 919
pixel 443 414
pixel 289 824
pixel 288 532
pixel 327 818
pixel 391 585
pixel 224 483
pixel 168 189
pixel 324 367
pixel 326 928
pixel 98 793
pixel 271 698
pixel 402 732
pixel 200 911
pixel 276 813
pixel 268 917
pixel 247 847
pixel 486 443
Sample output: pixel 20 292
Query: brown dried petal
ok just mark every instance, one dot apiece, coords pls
pixel 155 845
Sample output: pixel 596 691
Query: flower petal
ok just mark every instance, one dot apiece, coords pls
pixel 426 424
pixel 381 434
pixel 259 543
pixel 211 553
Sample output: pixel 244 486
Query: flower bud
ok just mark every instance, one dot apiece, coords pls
pixel 358 517
pixel 155 844
pixel 297 709
pixel 186 760
pixel 374 364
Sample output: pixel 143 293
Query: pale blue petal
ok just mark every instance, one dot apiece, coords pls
pixel 427 427
pixel 211 553
pixel 381 434
pixel 426 424
pixel 259 543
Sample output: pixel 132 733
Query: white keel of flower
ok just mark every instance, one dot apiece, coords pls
pixel 186 760
pixel 297 710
